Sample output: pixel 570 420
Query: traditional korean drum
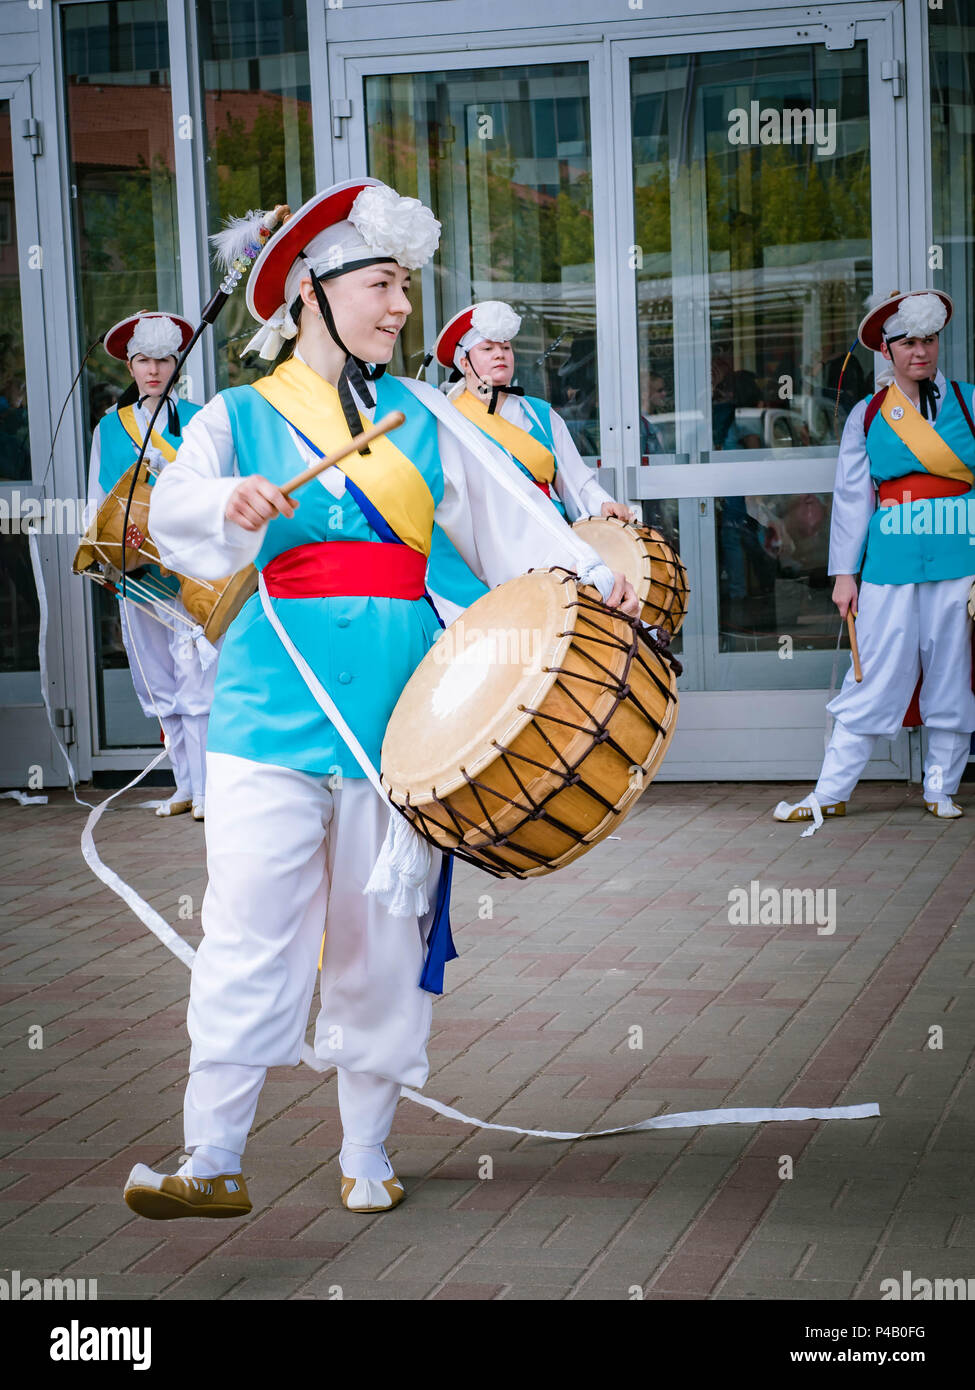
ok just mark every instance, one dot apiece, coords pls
pixel 648 561
pixel 531 727
pixel 212 603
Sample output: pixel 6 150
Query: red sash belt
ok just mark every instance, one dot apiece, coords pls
pixel 544 486
pixel 917 487
pixel 336 569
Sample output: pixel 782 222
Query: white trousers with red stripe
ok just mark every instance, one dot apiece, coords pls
pixel 906 631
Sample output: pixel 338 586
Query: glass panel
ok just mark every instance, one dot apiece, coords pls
pixel 752 193
pixel 754 261
pixel 952 53
pixel 19 619
pixel 772 573
pixel 14 435
pixel 126 246
pixel 504 158
pixel 257 105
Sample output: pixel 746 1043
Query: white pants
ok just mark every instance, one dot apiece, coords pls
pixel 905 631
pixel 286 858
pixel 172 686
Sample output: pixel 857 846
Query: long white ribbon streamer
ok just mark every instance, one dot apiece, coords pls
pixel 143 910
pixel 39 585
pixel 683 1120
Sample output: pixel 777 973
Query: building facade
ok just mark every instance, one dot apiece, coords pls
pixel 688 210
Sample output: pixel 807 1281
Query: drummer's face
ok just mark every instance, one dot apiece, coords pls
pixel 150 374
pixel 493 362
pixel 370 307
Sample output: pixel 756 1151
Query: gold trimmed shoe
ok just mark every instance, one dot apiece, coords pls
pixel 199 809
pixel 944 808
pixel 174 808
pixel 371 1194
pixel 786 812
pixel 163 1198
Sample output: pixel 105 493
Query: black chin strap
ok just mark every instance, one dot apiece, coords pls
pixel 484 386
pixel 173 416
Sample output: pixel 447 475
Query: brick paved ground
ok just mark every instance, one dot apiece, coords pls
pixel 537 1029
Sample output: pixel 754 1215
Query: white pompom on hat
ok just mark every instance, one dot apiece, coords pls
pixel 151 333
pixel 917 314
pixel 491 321
pixel 346 226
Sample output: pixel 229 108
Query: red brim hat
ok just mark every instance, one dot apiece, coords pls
pixel 116 340
pixel 448 339
pixel 265 284
pixel 871 330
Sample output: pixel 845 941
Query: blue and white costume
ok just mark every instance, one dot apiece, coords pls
pixel 170 680
pixel 293 826
pixel 918 563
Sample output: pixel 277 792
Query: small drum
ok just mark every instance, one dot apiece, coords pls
pixel 530 728
pixel 212 603
pixel 648 561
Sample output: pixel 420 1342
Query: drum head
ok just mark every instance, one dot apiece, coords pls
pixel 620 545
pixel 477 685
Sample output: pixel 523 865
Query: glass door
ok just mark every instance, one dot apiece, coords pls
pixel 28 757
pixel 690 225
pixel 752 173
pixel 513 160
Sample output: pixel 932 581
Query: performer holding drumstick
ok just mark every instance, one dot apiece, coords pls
pixel 171 680
pixel 476 345
pixel 297 838
pixel 914 442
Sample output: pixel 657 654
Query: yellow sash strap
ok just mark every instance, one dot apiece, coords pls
pixel 539 461
pixel 923 440
pixel 127 416
pixel 391 481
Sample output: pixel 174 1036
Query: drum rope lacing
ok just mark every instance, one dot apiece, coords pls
pixel 483 856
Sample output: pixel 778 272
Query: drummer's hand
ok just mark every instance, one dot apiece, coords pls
pixel 255 502
pixel 624 596
pixel 845 594
pixel 618 509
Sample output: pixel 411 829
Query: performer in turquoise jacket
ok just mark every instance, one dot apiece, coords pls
pixel 173 674
pixel 904 514
pixel 476 346
pixel 298 838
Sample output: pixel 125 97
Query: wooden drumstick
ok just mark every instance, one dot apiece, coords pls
pixel 392 421
pixel 854 649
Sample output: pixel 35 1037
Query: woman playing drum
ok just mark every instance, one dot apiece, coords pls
pixel 169 677
pixel 476 346
pixel 294 828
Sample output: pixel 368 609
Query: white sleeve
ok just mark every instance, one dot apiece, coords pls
pixel 853 497
pixel 575 482
pixel 189 500
pixel 96 493
pixel 500 532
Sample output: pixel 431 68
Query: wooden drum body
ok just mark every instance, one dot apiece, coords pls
pixel 102 542
pixel 529 730
pixel 215 603
pixel 212 603
pixel 648 561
